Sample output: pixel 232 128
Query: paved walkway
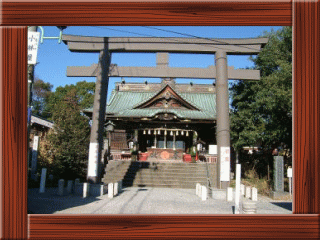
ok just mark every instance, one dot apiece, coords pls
pixel 144 200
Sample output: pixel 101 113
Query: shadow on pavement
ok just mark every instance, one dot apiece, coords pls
pixel 50 202
pixel 286 205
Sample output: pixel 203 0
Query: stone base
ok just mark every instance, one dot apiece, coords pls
pixel 249 207
pixel 94 189
pixel 277 194
pixel 219 194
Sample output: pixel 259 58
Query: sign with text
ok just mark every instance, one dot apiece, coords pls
pixel 213 149
pixel 225 164
pixel 289 172
pixel 33 44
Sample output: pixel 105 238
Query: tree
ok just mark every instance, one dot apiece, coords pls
pixel 40 94
pixel 262 111
pixel 69 141
pixel 83 90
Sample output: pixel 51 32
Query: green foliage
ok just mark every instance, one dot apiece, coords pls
pixel 40 94
pixel 83 90
pixel 68 143
pixel 252 179
pixel 262 111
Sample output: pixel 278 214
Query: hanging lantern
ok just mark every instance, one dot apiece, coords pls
pixel 171 133
pixel 149 132
pixel 159 132
pixel 187 133
pixel 182 132
pixel 165 132
pixel 144 131
pixel 155 132
pixel 177 133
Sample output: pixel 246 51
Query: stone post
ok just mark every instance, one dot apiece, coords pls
pixel 85 189
pixel 98 118
pixel 242 187
pixel 254 194
pixel 229 194
pixel 223 125
pixel 198 189
pixel 120 186
pixel 43 180
pixel 238 191
pixel 60 187
pixel 69 186
pixel 248 192
pixel 110 190
pixel 203 193
pixel 115 189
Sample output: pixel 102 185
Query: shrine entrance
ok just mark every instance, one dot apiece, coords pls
pixel 164 109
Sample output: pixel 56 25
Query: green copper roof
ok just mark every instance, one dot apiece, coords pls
pixel 122 105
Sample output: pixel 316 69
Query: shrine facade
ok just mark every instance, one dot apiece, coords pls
pixel 162 121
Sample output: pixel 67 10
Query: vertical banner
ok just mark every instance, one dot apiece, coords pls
pixel 33 43
pixel 34 154
pixel 225 164
pixel 93 160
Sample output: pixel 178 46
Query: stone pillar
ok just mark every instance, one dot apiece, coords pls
pixel 60 187
pixel 98 118
pixel 43 180
pixel 223 125
pixel 34 156
pixel 278 177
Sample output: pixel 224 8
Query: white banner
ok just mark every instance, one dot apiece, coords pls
pixel 224 163
pixel 34 154
pixel 289 172
pixel 213 149
pixel 93 160
pixel 33 44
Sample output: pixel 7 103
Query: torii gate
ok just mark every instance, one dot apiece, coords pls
pixel 162 46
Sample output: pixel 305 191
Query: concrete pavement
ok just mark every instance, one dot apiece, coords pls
pixel 143 200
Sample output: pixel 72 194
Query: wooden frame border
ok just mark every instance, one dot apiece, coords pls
pixel 303 224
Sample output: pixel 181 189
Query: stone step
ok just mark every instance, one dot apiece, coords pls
pixel 155 174
pixel 166 170
pixel 158 185
pixel 150 171
pixel 184 177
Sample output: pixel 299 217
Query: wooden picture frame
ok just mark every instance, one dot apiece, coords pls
pixel 302 224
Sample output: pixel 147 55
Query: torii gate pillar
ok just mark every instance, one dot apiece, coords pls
pixel 98 118
pixel 223 123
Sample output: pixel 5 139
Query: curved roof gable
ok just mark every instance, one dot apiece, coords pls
pixel 167 98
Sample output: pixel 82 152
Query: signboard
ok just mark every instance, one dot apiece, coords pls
pixel 34 154
pixel 33 43
pixel 225 164
pixel 93 160
pixel 289 172
pixel 213 149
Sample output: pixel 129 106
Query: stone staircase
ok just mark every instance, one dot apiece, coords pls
pixel 156 174
pixel 115 171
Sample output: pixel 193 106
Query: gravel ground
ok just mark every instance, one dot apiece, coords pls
pixel 145 200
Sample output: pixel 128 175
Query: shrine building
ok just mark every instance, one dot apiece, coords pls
pixel 163 121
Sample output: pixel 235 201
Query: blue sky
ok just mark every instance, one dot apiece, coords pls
pixel 53 58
